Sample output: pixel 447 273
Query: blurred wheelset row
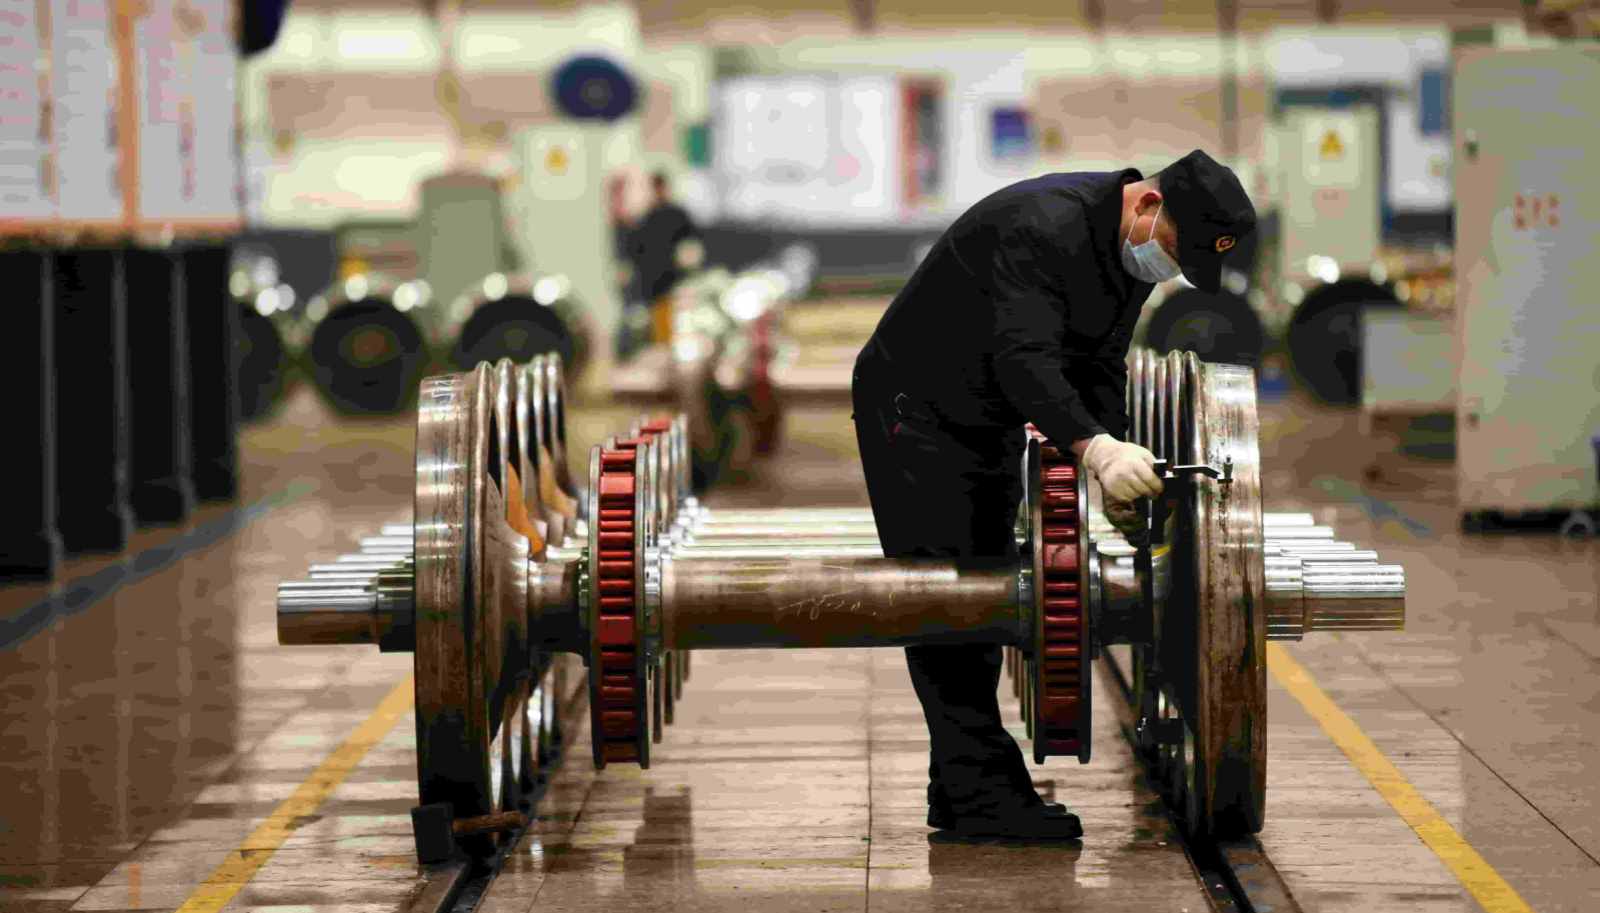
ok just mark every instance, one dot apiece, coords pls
pixel 366 342
pixel 1313 323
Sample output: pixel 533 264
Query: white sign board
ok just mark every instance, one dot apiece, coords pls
pixel 83 80
pixel 157 58
pixel 185 63
pixel 24 152
pixel 211 80
pixel 806 149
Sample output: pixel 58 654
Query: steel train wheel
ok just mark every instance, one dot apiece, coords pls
pixel 1210 645
pixel 1141 418
pixel 664 475
pixel 1199 687
pixel 544 436
pixel 454 733
pixel 1217 326
pixel 1231 751
pixel 1324 337
pixel 263 364
pixel 508 465
pixel 515 327
pixel 476 746
pixel 555 390
pixel 367 357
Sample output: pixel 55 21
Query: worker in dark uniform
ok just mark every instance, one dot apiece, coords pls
pixel 666 244
pixel 1022 312
pixel 633 330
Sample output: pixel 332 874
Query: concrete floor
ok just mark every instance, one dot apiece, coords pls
pixel 149 725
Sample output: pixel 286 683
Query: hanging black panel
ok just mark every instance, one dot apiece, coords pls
pixel 213 376
pixel 30 545
pixel 91 370
pixel 158 371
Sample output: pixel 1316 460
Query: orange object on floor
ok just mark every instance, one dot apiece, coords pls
pixel 661 319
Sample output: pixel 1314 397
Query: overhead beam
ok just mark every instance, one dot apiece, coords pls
pixel 1094 15
pixel 1228 30
pixel 865 15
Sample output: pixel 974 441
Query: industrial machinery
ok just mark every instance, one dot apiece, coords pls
pixel 460 234
pixel 727 344
pixel 1329 241
pixel 724 369
pixel 1331 206
pixel 558 209
pixel 506 561
pixel 1408 395
pixel 1528 373
pixel 489 309
pixel 731 367
pixel 366 350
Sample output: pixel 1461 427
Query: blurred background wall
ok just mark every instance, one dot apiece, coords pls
pixel 803 113
pixel 859 127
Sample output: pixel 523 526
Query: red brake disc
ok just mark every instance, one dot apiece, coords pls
pixel 620 702
pixel 1062 679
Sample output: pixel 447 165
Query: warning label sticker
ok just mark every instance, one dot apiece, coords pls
pixel 1532 211
pixel 1332 146
pixel 1330 153
pixel 556 160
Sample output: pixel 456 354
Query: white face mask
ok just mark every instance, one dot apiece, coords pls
pixel 1147 262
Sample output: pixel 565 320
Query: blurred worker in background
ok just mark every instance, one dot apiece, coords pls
pixel 665 245
pixel 624 208
pixel 1022 312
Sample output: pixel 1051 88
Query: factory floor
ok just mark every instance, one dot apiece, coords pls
pixel 159 750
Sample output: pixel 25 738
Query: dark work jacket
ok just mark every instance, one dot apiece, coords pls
pixel 1021 312
pixel 655 245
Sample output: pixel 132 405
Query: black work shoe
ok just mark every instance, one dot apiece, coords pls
pixel 1039 822
pixel 942 817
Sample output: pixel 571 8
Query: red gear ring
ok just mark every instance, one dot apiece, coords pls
pixel 1059 668
pixel 619 703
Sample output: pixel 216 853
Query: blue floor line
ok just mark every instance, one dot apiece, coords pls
pixel 1376 508
pixel 80 593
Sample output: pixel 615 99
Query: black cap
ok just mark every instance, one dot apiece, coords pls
pixel 1211 211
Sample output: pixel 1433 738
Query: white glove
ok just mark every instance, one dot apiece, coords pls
pixel 1124 469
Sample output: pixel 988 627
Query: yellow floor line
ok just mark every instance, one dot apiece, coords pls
pixel 229 878
pixel 1472 870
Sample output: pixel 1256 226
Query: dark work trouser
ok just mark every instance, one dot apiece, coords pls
pixel 939 496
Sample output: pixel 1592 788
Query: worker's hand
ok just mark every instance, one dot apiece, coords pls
pixel 1124 469
pixel 1129 521
pixel 689 254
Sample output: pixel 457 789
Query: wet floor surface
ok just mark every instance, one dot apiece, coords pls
pixel 799 783
pixel 1489 702
pixel 150 724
